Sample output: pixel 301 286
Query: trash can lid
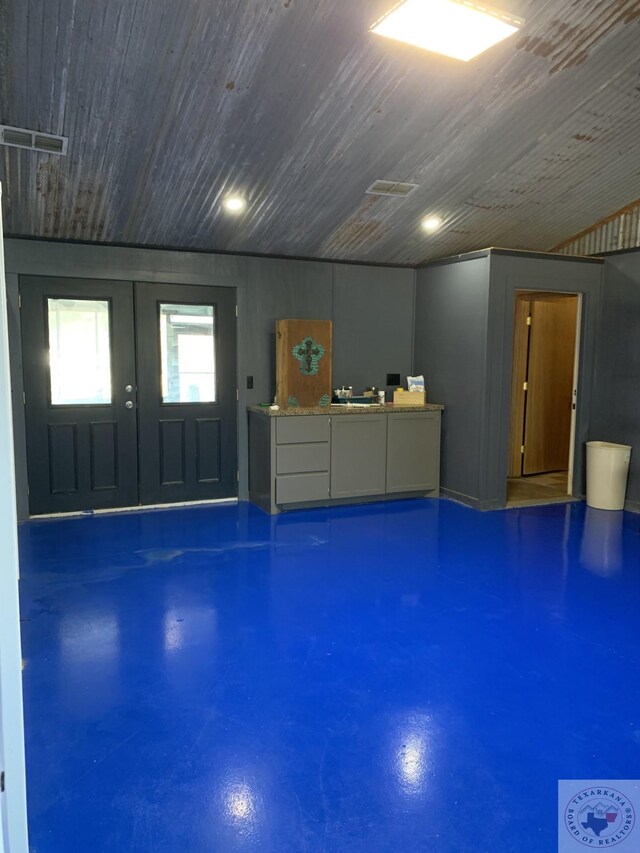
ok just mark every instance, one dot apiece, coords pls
pixel 608 444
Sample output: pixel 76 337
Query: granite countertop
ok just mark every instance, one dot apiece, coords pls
pixel 341 409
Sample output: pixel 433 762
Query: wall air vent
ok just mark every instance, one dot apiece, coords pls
pixel 396 189
pixel 20 137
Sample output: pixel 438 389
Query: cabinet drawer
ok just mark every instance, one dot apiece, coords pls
pixel 302 458
pixel 302 429
pixel 296 488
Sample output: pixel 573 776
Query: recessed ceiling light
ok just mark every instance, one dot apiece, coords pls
pixel 455 28
pixel 234 204
pixel 431 223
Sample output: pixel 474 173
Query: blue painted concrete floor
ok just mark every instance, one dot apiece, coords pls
pixel 404 677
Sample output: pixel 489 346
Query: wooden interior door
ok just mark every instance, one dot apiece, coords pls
pixel 518 384
pixel 547 422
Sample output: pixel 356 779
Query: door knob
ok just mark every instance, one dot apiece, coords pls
pixel 129 404
pixel 128 388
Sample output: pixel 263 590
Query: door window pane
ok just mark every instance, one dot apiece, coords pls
pixel 187 346
pixel 79 352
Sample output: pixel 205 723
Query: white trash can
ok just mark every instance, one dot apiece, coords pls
pixel 607 472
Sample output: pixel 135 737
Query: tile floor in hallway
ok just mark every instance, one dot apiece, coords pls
pixel 413 676
pixel 537 489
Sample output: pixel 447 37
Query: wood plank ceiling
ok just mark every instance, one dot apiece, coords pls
pixel 170 105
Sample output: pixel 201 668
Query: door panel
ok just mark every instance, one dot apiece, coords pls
pixel 186 355
pixel 78 355
pixel 550 385
pixel 518 380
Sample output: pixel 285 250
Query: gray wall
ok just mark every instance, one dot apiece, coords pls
pixel 463 345
pixel 616 402
pixel 267 289
pixel 510 273
pixel 460 316
pixel 373 324
pixel 278 289
pixel 452 302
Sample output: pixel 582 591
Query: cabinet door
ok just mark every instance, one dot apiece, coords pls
pixel 413 452
pixel 358 455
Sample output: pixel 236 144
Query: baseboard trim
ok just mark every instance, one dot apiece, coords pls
pixel 494 504
pixel 138 508
pixel 461 498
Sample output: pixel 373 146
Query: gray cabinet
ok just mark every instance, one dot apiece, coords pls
pixel 413 452
pixel 298 460
pixel 358 455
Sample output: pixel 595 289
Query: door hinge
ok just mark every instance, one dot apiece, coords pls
pixel 19 300
pixel 525 386
pixel 522 449
pixel 237 394
pixel 24 398
pixel 2 782
pixel 237 476
pixel 529 319
pixel 236 310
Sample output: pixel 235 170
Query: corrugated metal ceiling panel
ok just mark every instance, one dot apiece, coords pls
pixel 168 106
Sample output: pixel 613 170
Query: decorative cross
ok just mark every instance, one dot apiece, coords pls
pixel 309 354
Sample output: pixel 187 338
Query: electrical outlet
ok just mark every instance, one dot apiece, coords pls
pixel 249 382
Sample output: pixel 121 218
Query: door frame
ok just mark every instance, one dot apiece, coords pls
pixel 13 802
pixel 127 263
pixel 574 396
pixel 511 271
pixel 531 294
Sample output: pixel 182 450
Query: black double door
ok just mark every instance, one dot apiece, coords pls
pixel 130 393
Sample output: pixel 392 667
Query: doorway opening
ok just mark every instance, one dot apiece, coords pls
pixel 543 397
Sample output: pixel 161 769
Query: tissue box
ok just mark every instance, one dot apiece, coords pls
pixel 409 398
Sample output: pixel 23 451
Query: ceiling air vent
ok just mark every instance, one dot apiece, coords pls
pixel 52 144
pixel 397 189
pixel 11 136
pixel 20 137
